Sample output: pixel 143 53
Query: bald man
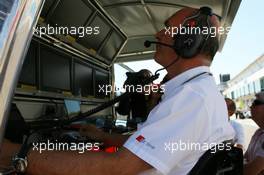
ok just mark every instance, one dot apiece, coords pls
pixel 191 112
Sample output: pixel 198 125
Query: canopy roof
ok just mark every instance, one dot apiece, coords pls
pixel 140 20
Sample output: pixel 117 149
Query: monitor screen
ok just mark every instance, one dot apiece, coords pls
pixel 69 14
pixel 101 81
pixel 83 79
pixel 94 41
pixel 28 72
pixel 112 46
pixel 55 70
pixel 73 107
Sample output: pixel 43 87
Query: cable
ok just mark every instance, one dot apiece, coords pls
pixel 173 62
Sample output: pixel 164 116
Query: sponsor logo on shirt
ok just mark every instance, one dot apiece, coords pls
pixel 142 139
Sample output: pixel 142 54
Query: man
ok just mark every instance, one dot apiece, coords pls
pixel 191 111
pixel 239 139
pixel 255 151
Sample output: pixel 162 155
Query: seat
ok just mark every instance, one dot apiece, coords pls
pixel 220 162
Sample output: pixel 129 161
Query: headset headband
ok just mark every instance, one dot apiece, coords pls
pixel 188 45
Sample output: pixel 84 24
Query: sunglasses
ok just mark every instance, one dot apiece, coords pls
pixel 257 102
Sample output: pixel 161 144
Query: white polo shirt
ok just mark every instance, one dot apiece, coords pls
pixel 190 113
pixel 239 133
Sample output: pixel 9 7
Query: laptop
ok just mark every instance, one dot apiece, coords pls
pixel 73 107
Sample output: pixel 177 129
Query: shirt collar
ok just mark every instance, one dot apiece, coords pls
pixel 183 77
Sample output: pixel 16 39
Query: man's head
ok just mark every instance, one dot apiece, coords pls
pixel 257 109
pixel 166 55
pixel 231 106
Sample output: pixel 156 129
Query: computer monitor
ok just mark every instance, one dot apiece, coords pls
pixel 94 41
pixel 55 70
pixel 83 79
pixel 63 16
pixel 101 80
pixel 112 46
pixel 28 74
pixel 73 107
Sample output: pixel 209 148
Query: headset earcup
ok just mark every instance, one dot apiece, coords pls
pixel 187 45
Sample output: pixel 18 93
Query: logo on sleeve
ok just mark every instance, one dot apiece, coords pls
pixel 142 139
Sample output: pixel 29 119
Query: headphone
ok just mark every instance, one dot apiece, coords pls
pixel 188 44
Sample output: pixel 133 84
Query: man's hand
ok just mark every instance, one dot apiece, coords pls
pixel 92 132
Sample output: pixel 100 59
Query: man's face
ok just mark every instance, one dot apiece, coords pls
pixel 164 55
pixel 257 111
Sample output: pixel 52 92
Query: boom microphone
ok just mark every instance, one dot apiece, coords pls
pixel 147 44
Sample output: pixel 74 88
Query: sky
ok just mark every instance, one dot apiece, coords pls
pixel 244 44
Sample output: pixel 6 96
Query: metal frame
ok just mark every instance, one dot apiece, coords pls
pixel 136 53
pixel 23 18
pixel 126 67
pixel 106 15
pixel 50 95
pixel 149 15
pixel 9 32
pixel 147 3
pixel 139 36
pixel 116 26
pixel 136 57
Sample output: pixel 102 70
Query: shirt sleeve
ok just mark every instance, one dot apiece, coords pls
pixel 163 142
pixel 240 135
